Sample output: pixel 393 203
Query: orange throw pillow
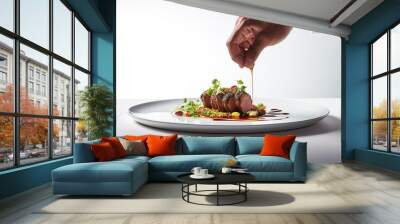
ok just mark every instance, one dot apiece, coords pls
pixel 136 137
pixel 277 145
pixel 142 138
pixel 116 145
pixel 103 152
pixel 161 145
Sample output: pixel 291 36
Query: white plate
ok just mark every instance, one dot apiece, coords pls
pixel 208 176
pixel 159 114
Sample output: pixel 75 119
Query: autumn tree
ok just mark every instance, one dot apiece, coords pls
pixel 380 127
pixel 33 131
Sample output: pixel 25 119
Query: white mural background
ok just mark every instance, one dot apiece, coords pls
pixel 166 50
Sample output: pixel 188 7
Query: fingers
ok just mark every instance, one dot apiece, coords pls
pixel 237 53
pixel 241 39
pixel 252 55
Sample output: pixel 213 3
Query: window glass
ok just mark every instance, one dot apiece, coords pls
pixel 34 20
pixel 81 82
pixel 395 95
pixel 30 58
pixel 62 29
pixel 379 55
pixel 62 89
pixel 6 142
pixel 6 74
pixel 379 97
pixel 7 14
pixel 379 135
pixel 33 140
pixel 395 47
pixel 395 136
pixel 62 137
pixel 81 45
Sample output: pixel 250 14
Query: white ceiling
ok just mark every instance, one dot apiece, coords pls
pixel 315 15
pixel 320 9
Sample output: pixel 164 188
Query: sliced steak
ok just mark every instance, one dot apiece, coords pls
pixel 243 101
pixel 206 99
pixel 214 102
pixel 220 103
pixel 229 102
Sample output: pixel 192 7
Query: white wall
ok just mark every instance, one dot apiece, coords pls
pixel 167 50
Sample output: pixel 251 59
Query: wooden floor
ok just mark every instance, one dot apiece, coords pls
pixel 379 189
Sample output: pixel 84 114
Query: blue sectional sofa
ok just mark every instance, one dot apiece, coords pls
pixel 125 176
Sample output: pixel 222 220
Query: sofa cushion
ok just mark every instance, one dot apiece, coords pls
pixel 185 163
pixel 136 147
pixel 112 171
pixel 277 145
pixel 103 152
pixel 249 145
pixel 207 145
pixel 257 163
pixel 116 145
pixel 161 145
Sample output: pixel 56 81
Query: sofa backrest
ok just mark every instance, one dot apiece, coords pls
pixel 191 145
pixel 83 152
pixel 249 145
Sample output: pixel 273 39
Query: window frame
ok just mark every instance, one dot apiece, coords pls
pixel 16 114
pixel 388 74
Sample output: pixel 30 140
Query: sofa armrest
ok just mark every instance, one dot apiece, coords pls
pixel 83 152
pixel 298 155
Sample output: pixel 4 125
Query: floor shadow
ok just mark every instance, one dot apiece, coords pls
pixel 256 198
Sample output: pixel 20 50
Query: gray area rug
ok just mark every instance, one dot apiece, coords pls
pixel 166 198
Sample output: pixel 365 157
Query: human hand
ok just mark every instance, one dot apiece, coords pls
pixel 250 37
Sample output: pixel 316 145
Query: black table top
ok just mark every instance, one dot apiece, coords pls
pixel 220 178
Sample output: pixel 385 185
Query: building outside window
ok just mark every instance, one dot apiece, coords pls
pixel 3 60
pixel 3 78
pixel 385 91
pixel 34 75
pixel 37 75
pixel 43 90
pixel 3 72
pixel 44 77
pixel 30 87
pixel 30 72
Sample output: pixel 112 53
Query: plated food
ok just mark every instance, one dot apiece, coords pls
pixel 223 103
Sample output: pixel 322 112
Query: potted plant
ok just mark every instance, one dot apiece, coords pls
pixel 96 103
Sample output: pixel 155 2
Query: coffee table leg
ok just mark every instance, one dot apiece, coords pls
pixel 195 189
pixel 217 194
pixel 245 193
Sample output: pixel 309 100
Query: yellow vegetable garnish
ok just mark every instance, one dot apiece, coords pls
pixel 235 115
pixel 230 163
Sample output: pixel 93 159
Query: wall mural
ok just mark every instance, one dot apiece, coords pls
pixel 194 71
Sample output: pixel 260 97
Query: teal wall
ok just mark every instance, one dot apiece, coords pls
pixel 24 178
pixel 104 52
pixel 99 15
pixel 355 84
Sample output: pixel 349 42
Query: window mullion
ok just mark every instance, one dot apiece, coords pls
pixel 50 77
pixel 389 101
pixel 16 84
pixel 73 82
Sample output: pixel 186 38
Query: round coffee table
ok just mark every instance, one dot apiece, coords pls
pixel 238 179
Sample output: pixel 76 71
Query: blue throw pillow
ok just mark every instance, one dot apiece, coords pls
pixel 249 145
pixel 83 152
pixel 208 145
